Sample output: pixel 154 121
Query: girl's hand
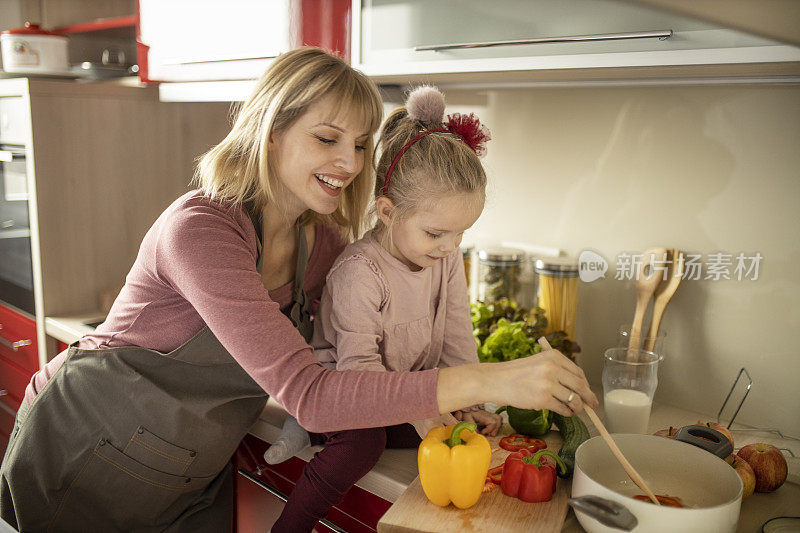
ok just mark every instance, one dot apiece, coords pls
pixel 491 421
pixel 426 424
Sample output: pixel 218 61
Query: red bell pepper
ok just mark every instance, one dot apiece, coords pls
pixel 516 442
pixel 527 477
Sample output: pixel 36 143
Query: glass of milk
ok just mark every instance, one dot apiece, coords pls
pixel 630 378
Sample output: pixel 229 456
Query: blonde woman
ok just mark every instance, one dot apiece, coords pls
pixel 133 427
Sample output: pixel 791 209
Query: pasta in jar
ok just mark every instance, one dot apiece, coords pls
pixel 558 293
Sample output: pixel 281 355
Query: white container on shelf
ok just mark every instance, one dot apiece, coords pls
pixel 32 50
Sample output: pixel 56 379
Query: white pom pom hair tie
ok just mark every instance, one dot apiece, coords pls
pixel 426 104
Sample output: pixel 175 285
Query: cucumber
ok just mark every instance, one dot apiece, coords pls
pixel 574 432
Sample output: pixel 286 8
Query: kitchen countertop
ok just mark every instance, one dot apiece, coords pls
pixel 396 469
pixel 68 329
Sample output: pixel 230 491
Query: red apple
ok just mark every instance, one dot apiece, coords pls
pixel 768 463
pixel 722 429
pixel 745 472
pixel 669 433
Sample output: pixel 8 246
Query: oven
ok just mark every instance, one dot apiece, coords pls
pixel 16 269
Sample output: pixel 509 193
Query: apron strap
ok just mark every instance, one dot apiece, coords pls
pixel 300 313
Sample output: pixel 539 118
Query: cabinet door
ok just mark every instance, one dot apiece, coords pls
pixel 417 36
pixel 191 40
pixel 18 340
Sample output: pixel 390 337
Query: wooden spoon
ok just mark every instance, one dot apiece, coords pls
pixel 664 292
pixel 632 473
pixel 645 286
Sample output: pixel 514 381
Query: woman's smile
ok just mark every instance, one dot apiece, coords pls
pixel 331 184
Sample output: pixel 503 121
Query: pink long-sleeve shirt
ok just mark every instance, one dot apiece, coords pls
pixel 196 267
pixel 378 314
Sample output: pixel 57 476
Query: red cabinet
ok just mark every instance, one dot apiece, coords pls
pixel 19 359
pixel 359 512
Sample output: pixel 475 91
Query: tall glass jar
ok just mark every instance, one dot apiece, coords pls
pixel 558 293
pixel 498 273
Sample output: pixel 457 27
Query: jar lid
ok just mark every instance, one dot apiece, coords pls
pixel 559 267
pixel 30 29
pixel 501 256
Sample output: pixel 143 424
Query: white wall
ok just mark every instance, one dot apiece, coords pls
pixel 701 168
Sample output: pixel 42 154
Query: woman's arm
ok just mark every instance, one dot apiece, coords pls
pixel 208 255
pixel 541 381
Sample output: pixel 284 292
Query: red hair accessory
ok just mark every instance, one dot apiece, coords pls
pixel 471 131
pixel 466 127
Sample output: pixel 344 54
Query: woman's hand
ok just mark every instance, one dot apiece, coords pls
pixel 546 380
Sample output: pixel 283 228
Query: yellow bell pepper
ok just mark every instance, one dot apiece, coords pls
pixel 450 470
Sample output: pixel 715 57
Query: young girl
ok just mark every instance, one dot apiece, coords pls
pixel 396 300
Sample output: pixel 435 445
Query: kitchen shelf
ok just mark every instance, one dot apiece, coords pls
pixel 113 27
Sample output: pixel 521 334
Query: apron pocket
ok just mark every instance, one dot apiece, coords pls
pixel 115 492
pixel 155 452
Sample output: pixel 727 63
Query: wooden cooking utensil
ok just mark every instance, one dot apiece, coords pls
pixel 634 475
pixel 645 286
pixel 664 292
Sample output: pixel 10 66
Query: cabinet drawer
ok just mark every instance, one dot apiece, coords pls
pixel 14 120
pixel 13 380
pixel 18 340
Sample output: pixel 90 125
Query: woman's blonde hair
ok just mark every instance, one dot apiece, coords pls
pixel 435 165
pixel 239 169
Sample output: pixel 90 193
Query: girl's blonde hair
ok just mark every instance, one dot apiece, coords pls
pixel 239 169
pixel 437 164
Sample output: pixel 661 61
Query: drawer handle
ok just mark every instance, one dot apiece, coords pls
pixel 9 156
pixel 661 35
pixel 227 60
pixel 15 345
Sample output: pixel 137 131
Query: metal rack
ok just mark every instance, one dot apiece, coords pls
pixel 777 431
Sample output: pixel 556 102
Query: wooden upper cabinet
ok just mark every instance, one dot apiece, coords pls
pixel 502 40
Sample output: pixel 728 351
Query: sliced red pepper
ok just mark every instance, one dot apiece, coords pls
pixel 495 474
pixel 527 477
pixel 516 442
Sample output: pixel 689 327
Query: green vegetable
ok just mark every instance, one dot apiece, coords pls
pixel 508 341
pixel 504 331
pixel 528 421
pixel 574 432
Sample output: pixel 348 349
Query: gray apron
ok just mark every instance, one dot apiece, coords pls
pixel 131 439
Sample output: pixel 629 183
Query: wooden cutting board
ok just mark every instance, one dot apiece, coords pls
pixel 494 511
